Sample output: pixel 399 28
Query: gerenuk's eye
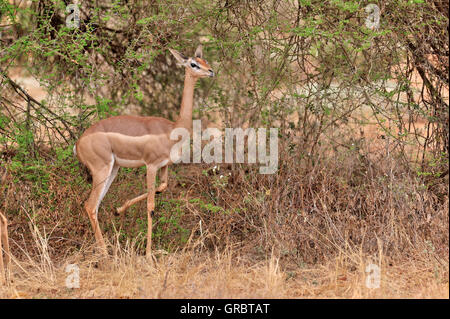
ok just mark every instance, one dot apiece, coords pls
pixel 194 65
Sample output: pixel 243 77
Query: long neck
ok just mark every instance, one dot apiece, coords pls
pixel 187 101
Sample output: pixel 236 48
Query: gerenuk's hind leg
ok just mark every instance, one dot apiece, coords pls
pixel 100 181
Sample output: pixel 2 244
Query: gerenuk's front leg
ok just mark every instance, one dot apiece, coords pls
pixel 151 179
pixel 163 176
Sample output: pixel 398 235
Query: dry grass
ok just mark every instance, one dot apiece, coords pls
pixel 229 273
pixel 220 275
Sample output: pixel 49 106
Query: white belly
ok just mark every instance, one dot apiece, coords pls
pixel 136 163
pixel 128 163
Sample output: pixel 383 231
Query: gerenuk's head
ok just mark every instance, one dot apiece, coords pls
pixel 196 66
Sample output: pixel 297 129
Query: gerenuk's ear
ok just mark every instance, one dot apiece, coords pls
pixel 199 52
pixel 181 59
